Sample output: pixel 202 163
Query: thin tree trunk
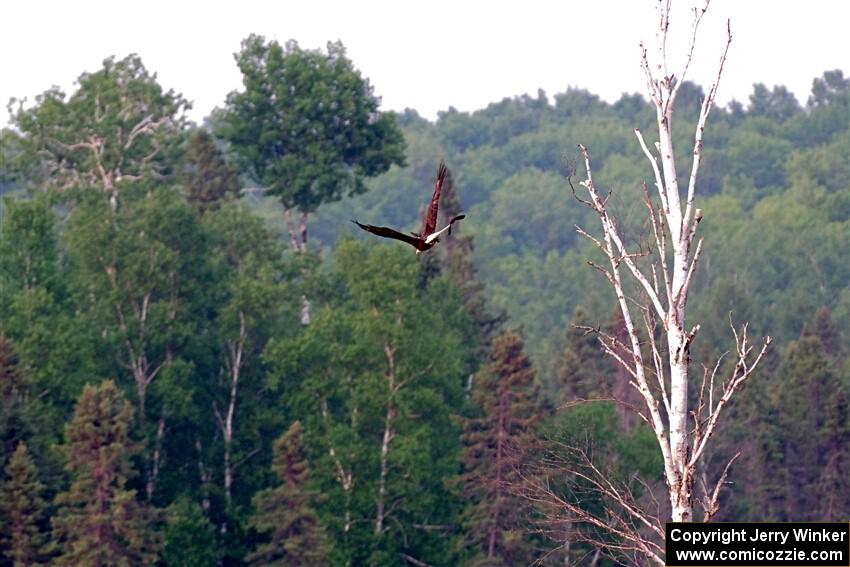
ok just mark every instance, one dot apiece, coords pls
pixel 290 228
pixel 344 477
pixel 501 435
pixel 226 422
pixel 204 476
pixel 154 465
pixel 389 351
pixel 303 230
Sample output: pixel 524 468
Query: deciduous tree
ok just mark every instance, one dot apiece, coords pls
pixel 137 277
pixel 306 126
pixel 118 126
pixel 375 379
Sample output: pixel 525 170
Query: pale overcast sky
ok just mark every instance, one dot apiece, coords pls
pixel 424 55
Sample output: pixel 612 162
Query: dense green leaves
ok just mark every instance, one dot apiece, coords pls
pixel 307 125
pixel 189 538
pixel 119 125
pixel 376 378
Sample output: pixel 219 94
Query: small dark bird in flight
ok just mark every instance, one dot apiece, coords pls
pixel 428 236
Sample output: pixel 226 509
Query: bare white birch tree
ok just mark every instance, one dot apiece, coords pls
pixel 657 356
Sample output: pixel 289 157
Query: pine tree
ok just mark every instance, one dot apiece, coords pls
pixel 285 512
pixel 457 260
pixel 100 522
pixel 584 371
pixel 806 429
pixel 12 388
pixel 210 178
pixel 22 507
pixel 495 443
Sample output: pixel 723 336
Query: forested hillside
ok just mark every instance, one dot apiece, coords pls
pixel 204 362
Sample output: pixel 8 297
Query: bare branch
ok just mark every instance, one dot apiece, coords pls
pixel 741 372
pixel 710 505
pixel 649 323
pixel 621 516
pixel 705 110
pixel 659 181
pixel 637 371
pixel 698 14
pixel 683 291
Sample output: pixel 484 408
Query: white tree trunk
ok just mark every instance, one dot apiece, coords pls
pixel 675 255
pixel 235 350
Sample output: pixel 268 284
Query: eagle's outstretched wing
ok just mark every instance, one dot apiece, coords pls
pixel 387 232
pixel 431 215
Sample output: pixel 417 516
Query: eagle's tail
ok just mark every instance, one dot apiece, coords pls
pixel 457 218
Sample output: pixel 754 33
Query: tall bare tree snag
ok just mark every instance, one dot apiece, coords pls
pixel 658 363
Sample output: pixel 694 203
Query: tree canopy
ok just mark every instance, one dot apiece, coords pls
pixel 306 125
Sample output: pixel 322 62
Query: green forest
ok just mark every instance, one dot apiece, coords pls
pixel 204 362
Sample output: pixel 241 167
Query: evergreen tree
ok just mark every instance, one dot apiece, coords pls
pixel 584 371
pixel 496 442
pixel 209 179
pixel 803 441
pixel 12 389
pixel 457 259
pixel 297 538
pixel 22 507
pixel 100 522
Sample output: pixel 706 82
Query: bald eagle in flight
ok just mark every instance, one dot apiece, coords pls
pixel 428 236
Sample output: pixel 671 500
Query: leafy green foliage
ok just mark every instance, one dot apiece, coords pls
pixel 28 255
pixel 307 126
pixel 34 307
pixel 138 272
pixel 189 538
pixel 376 378
pixel 118 125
